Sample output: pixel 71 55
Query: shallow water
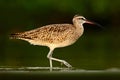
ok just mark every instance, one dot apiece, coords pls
pixel 44 73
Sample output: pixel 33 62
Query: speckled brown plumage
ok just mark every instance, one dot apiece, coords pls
pixel 49 34
pixel 54 36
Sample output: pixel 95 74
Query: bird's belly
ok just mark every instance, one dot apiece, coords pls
pixel 62 44
pixel 54 45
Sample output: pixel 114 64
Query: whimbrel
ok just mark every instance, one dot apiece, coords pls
pixel 55 36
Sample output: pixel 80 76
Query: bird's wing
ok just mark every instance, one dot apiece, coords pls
pixel 50 33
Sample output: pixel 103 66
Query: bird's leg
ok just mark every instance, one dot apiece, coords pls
pixel 49 57
pixel 62 61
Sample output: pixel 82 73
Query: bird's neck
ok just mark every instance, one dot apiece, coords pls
pixel 78 25
pixel 79 28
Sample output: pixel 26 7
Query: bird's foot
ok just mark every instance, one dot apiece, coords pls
pixel 66 64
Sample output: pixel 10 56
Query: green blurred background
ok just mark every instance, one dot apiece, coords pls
pixel 96 49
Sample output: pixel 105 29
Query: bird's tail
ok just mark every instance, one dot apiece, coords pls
pixel 15 36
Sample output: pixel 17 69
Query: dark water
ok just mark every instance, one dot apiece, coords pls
pixel 43 73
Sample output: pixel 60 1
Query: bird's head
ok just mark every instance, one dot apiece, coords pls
pixel 81 20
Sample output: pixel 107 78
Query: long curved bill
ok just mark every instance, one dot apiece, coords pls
pixel 91 22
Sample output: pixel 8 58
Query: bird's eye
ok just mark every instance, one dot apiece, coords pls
pixel 82 18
